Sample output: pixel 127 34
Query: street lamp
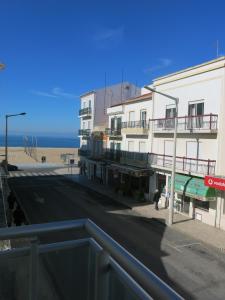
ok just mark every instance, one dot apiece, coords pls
pixel 171 202
pixel 6 134
pixel 2 66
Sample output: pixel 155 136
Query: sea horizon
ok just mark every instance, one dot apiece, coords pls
pixel 40 141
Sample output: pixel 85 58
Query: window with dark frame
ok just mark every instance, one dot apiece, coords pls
pixel 195 114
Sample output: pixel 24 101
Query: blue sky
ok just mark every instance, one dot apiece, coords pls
pixel 55 50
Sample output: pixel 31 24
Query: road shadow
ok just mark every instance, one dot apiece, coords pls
pixel 142 237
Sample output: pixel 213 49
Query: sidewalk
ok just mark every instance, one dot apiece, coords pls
pixel 194 228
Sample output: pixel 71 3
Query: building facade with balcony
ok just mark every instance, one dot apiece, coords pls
pixel 200 138
pixel 93 121
pixel 128 146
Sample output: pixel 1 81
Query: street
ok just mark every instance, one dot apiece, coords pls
pixel 193 269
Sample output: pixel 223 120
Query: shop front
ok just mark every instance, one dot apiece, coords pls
pixel 129 181
pixel 194 199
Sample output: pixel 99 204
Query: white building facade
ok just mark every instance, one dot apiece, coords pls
pixel 138 141
pixel 129 144
pixel 93 122
pixel 200 139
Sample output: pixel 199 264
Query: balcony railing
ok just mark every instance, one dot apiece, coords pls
pixel 113 132
pixel 84 132
pixel 55 263
pixel 188 123
pixel 127 157
pixel 85 111
pixel 185 164
pixel 136 124
pixel 84 152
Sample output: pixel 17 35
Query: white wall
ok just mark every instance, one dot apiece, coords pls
pixel 137 107
pixel 126 108
pixel 206 87
pixel 191 86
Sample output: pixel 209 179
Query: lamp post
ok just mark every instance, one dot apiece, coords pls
pixel 2 66
pixel 171 202
pixel 6 134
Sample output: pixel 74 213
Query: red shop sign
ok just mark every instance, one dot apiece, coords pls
pixel 215 182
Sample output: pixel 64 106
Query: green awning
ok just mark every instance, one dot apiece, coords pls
pixel 193 187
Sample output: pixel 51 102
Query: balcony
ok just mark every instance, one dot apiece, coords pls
pixel 84 152
pixel 135 127
pixel 73 260
pixel 84 132
pixel 137 159
pixel 114 134
pixel 203 123
pixel 85 112
pixel 183 164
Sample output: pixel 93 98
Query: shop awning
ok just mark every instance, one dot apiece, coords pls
pixel 193 187
pixel 133 171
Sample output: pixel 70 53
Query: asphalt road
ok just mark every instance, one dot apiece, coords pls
pixel 192 268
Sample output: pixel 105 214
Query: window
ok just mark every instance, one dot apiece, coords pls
pixel 143 117
pixel 170 115
pixel 84 104
pixel 195 113
pixel 111 146
pixel 131 119
pixel 191 149
pixel 168 147
pixel 112 123
pixel 130 146
pixel 89 124
pixel 118 146
pixel 204 205
pixel 142 147
pixel 83 125
pixel 118 125
pixel 89 103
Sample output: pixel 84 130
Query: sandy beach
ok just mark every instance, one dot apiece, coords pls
pixel 17 155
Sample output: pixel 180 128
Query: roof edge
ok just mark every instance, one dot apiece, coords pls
pixel 190 68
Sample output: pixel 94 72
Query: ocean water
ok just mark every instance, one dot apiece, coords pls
pixel 42 141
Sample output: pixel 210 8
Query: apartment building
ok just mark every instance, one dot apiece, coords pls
pixel 200 139
pixel 94 120
pixel 139 142
pixel 128 145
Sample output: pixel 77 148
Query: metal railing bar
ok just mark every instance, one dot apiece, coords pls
pixel 144 277
pixel 129 281
pixel 33 270
pixel 40 229
pixel 95 245
pixel 24 251
pixel 65 245
pixel 147 279
pixel 101 275
pixel 18 252
pixel 185 117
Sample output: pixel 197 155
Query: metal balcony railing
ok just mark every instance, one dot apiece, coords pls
pixel 85 111
pixel 113 132
pixel 136 124
pixel 50 266
pixel 84 132
pixel 126 157
pixel 84 152
pixel 187 123
pixel 185 164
